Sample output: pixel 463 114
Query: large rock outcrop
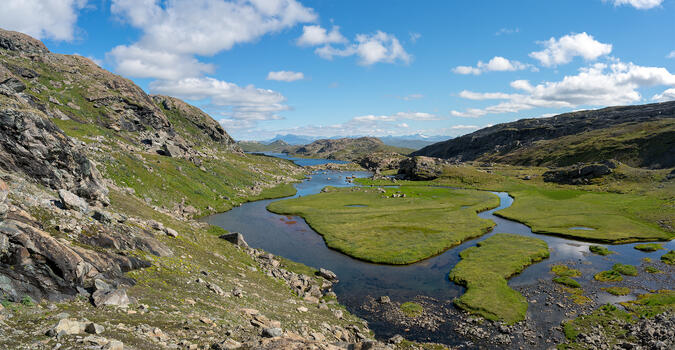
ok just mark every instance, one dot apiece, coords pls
pixel 422 168
pixel 30 143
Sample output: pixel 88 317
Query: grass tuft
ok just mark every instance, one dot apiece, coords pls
pixel 649 247
pixel 600 250
pixel 617 290
pixel 411 309
pixel 567 281
pixel 628 270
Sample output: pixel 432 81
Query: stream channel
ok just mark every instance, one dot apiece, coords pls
pixel 292 238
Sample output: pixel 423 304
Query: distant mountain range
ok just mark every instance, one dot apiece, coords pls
pixel 640 136
pixel 414 142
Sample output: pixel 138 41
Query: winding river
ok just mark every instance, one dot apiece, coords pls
pixel 292 238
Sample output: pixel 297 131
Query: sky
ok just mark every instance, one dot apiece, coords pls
pixel 328 68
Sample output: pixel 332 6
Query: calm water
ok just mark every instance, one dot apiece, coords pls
pixel 292 238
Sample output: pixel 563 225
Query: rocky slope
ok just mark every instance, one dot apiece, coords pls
pixel 641 136
pixel 345 149
pixel 99 249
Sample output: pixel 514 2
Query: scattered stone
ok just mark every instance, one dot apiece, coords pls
pixel 114 345
pixel 272 332
pixel 68 326
pixel 170 232
pixel 384 299
pixel 72 201
pixel 93 328
pixel 302 309
pixel 328 274
pixel 235 238
pixel 227 344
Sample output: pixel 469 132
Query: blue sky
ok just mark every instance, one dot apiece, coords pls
pixel 327 68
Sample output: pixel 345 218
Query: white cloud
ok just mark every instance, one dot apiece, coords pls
pixel 240 103
pixel 668 95
pixel 411 97
pixel 638 4
pixel 507 31
pixel 397 116
pixel 414 37
pixel 374 125
pixel 284 75
pixel 496 64
pixel 140 62
pixel 42 19
pixel 469 95
pixel 370 48
pixel 564 49
pixel 597 85
pixel 315 35
pixel 174 31
pixel 206 27
pixel 671 54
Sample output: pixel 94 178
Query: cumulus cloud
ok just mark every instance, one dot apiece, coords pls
pixel 671 54
pixel 137 61
pixel 668 95
pixel 374 125
pixel 598 85
pixel 206 27
pixel 284 75
pixel 234 102
pixel 42 19
pixel 638 4
pixel 316 35
pixel 566 48
pixel 175 31
pixel 370 48
pixel 496 64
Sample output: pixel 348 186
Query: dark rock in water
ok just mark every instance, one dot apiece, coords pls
pixel 422 168
pixel 579 174
pixel 235 238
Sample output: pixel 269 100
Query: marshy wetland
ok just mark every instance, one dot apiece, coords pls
pixel 427 282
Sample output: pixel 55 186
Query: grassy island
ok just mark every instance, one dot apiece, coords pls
pixel 392 225
pixel 484 270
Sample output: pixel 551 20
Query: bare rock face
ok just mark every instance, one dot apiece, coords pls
pixel 198 119
pixel 34 263
pixel 33 145
pixel 15 41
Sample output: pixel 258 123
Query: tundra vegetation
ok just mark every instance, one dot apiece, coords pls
pixel 392 225
pixel 484 270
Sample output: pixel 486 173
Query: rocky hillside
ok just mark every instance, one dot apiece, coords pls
pixel 641 136
pixel 100 185
pixel 345 149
